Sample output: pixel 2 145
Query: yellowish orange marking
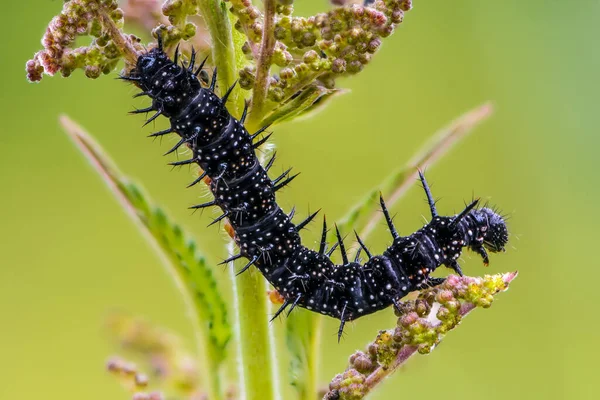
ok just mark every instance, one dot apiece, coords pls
pixel 228 228
pixel 275 297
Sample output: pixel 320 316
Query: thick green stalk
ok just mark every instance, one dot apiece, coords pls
pixel 311 380
pixel 258 373
pixel 256 366
pixel 217 20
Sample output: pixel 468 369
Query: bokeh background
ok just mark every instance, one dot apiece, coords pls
pixel 69 254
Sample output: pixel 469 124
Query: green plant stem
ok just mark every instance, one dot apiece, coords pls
pixel 223 51
pixel 255 358
pixel 255 361
pixel 263 64
pixel 314 359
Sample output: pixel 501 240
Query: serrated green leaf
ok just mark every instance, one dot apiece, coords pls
pixel 181 255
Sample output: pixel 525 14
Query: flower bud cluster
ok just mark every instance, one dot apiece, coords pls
pixel 177 11
pixel 347 386
pixel 159 349
pixel 78 18
pixel 130 377
pixel 140 336
pixel 422 323
pixel 248 20
pixel 317 50
pixel 175 20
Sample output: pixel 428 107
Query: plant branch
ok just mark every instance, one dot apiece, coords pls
pixel 263 66
pixel 130 54
pixel 421 326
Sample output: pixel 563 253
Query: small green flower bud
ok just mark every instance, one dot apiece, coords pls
pixel 408 319
pixel 354 35
pixel 253 12
pixel 92 71
pixel 443 314
pixel 453 305
pixel 111 50
pixel 397 16
pixel 287 73
pixel 422 308
pixel 309 39
pixel 280 33
pixel 247 50
pixel 424 348
pixel 310 56
pixel 387 31
pixel 444 296
pixel 102 41
pixel 327 33
pixel 374 45
pixel 338 66
pixel 247 77
pixel 301 69
pixel 117 15
pixel 361 47
pixel 255 32
pixel 282 57
pixel 405 5
pixel 355 67
pixel 189 31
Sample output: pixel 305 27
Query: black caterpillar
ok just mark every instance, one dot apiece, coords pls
pixel 265 234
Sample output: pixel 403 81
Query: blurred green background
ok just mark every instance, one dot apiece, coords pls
pixel 69 254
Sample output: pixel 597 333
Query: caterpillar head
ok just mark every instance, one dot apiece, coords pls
pixel 492 228
pixel 148 64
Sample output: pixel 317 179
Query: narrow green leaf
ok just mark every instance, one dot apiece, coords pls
pixel 398 183
pixel 305 103
pixel 181 256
